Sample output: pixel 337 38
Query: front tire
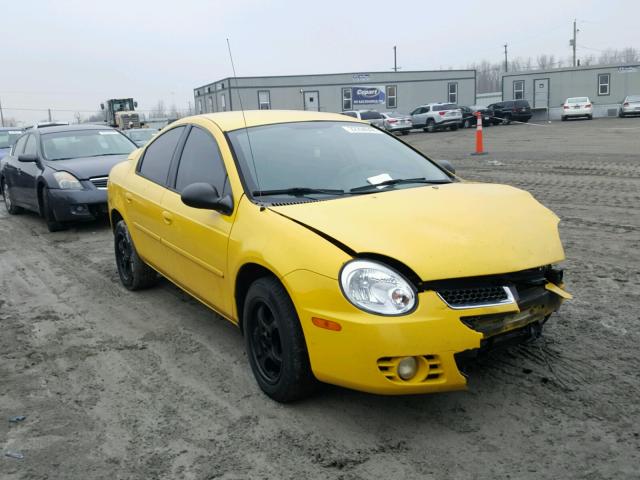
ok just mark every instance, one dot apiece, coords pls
pixel 8 200
pixel 405 132
pixel 47 212
pixel 589 117
pixel 431 126
pixel 133 272
pixel 453 128
pixel 275 343
pixel 563 118
pixel 507 119
pixel 466 124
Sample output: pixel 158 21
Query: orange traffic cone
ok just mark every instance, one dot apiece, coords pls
pixel 479 145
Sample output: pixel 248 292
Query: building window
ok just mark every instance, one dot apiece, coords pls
pixel 211 106
pixel 346 99
pixel 392 96
pixel 603 83
pixel 264 100
pixel 518 90
pixel 452 89
pixel 223 102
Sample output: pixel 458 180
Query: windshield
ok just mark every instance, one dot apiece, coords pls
pixel 85 143
pixel 633 98
pixel 447 106
pixel 141 135
pixel 8 137
pixel 326 155
pixel 577 100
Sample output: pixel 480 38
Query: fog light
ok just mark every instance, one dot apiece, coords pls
pixel 79 209
pixel 407 368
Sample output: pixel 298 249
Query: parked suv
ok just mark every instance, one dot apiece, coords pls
pixel 469 118
pixel 436 116
pixel 374 118
pixel 505 112
pixel 630 106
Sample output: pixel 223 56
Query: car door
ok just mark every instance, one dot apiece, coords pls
pixel 24 187
pixel 198 238
pixel 145 195
pixel 419 116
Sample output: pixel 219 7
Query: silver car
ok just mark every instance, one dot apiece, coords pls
pixel 397 122
pixel 630 106
pixel 437 116
pixel 374 118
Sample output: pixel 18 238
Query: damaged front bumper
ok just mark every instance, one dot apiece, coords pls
pixel 453 320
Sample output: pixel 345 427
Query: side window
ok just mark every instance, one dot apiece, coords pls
pixel 201 162
pixel 19 148
pixel 452 91
pixel 426 110
pixel 157 157
pixel 351 114
pixel 346 98
pixel 30 148
pixel 392 96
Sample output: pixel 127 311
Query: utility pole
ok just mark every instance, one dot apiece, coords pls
pixel 1 115
pixel 506 61
pixel 395 63
pixel 572 42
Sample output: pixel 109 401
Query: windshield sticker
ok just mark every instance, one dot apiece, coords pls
pixel 14 132
pixel 108 132
pixel 376 179
pixel 361 129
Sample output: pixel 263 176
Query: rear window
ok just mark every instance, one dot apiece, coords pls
pixel 577 100
pixel 370 115
pixel 446 106
pixel 521 104
pixel 350 114
pixel 633 98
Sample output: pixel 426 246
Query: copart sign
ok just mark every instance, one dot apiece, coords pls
pixel 367 95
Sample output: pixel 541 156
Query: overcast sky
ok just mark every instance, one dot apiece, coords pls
pixel 73 54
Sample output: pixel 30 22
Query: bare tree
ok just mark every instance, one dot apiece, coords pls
pixel 173 111
pixel 10 122
pixel 159 111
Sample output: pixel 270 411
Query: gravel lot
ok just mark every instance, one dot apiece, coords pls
pixel 121 385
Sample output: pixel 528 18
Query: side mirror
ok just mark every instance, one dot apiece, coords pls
pixel 205 196
pixel 446 164
pixel 28 158
pixel 102 106
pixel 135 104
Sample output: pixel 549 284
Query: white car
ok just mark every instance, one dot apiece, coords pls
pixel 374 118
pixel 436 116
pixel 630 106
pixel 577 107
pixel 397 122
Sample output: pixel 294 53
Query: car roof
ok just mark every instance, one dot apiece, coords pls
pixel 229 121
pixel 71 128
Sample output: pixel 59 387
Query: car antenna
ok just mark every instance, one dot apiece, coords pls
pixel 244 119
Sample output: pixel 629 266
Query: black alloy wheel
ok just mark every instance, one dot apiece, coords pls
pixel 275 342
pixel 133 272
pixel 266 344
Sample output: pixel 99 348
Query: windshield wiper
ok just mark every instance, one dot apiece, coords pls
pixel 297 191
pixel 397 181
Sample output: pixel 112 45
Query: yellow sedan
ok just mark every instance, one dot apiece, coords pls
pixel 342 254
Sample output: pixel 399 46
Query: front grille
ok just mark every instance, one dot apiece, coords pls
pixel 429 369
pixel 474 297
pixel 100 182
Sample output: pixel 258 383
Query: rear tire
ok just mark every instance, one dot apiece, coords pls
pixel 431 126
pixel 453 128
pixel 466 123
pixel 133 272
pixel 563 118
pixel 275 343
pixel 507 119
pixel 8 201
pixel 47 212
pixel 589 117
pixel 404 132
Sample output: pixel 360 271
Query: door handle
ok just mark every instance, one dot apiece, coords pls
pixel 167 217
pixel 128 197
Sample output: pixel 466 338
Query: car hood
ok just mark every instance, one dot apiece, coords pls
pixel 87 167
pixel 441 232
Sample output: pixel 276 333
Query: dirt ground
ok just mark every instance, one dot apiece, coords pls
pixel 152 385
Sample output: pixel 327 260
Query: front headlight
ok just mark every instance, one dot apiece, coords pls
pixel 376 288
pixel 66 181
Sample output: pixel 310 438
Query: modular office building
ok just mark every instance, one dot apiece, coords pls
pixel 546 90
pixel 381 91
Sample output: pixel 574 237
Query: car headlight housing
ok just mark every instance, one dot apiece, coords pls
pixel 66 181
pixel 376 288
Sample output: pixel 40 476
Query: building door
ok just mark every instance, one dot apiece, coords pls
pixel 541 93
pixel 311 101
